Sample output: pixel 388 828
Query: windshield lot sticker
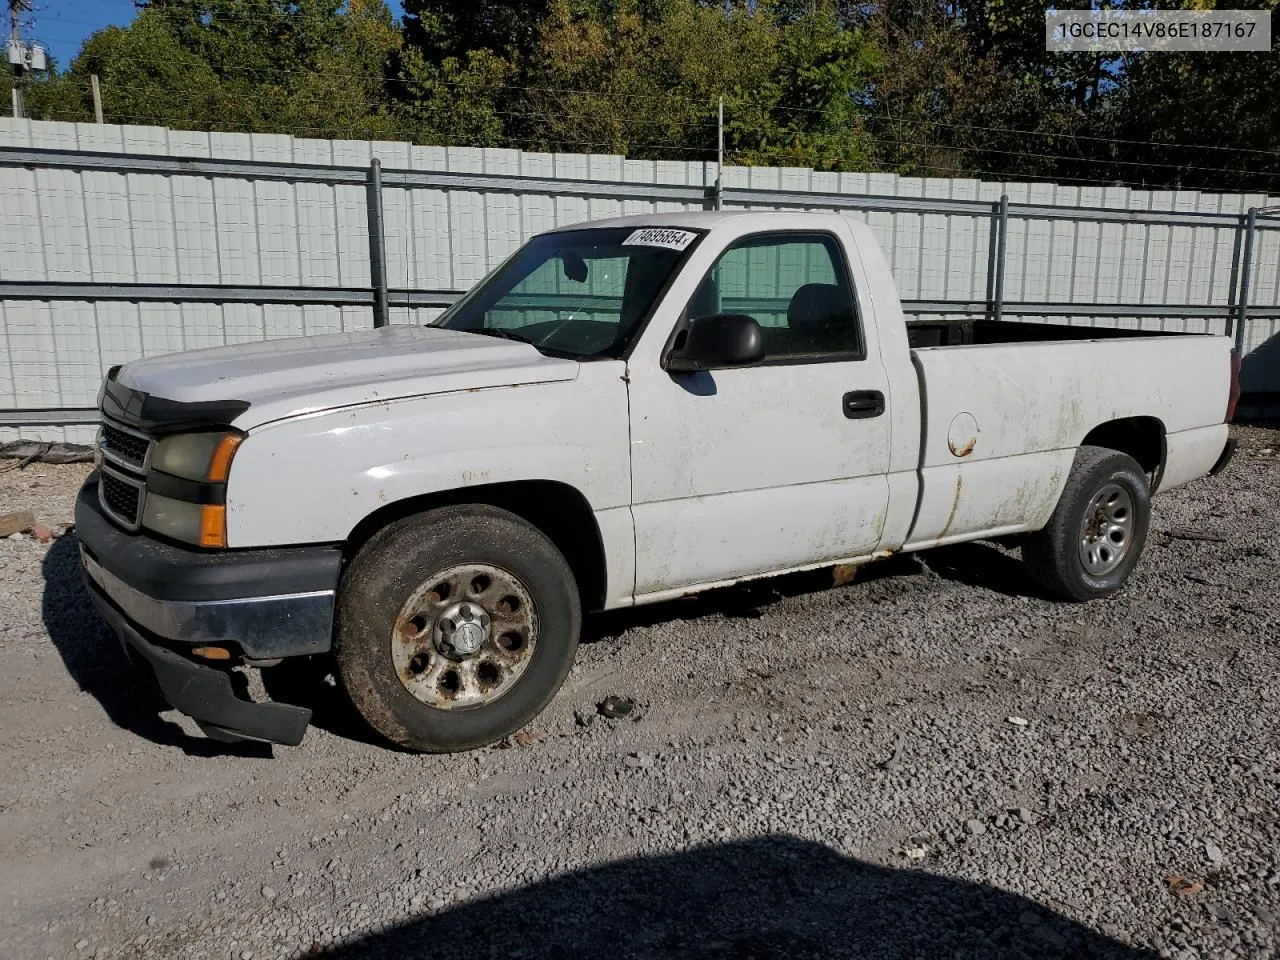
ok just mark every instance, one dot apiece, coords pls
pixel 660 237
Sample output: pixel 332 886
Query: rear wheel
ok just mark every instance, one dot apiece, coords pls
pixel 1096 534
pixel 455 627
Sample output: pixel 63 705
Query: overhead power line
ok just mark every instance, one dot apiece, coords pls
pixel 709 103
pixel 880 139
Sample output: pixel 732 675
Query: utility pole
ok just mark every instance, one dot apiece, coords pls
pixel 720 154
pixel 18 52
pixel 97 97
pixel 720 137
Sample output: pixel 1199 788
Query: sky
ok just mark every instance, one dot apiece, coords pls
pixel 63 25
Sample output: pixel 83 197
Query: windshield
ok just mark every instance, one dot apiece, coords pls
pixel 580 293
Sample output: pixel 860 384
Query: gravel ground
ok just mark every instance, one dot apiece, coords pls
pixel 927 762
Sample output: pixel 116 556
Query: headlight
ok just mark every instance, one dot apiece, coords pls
pixel 173 518
pixel 204 524
pixel 197 456
pixel 183 511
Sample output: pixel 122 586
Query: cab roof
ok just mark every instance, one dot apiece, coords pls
pixel 711 219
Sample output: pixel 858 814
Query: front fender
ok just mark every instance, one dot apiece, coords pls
pixel 312 479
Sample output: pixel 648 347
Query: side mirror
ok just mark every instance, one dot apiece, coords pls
pixel 575 268
pixel 715 343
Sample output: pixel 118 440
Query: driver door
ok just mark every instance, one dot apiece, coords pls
pixel 739 472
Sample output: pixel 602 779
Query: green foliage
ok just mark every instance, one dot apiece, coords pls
pixel 1229 101
pixel 310 67
pixel 642 79
pixel 914 86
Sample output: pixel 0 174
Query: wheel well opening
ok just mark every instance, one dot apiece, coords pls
pixel 557 509
pixel 1140 437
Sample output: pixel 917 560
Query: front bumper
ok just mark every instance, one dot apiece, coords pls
pixel 205 694
pixel 162 599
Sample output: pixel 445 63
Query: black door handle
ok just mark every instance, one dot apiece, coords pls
pixel 861 404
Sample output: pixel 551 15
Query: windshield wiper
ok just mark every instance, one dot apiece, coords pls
pixel 506 334
pixel 502 332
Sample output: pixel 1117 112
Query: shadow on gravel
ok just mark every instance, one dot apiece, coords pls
pixel 307 682
pixel 747 600
pixel 771 898
pixel 94 658
pixel 977 564
pixel 973 564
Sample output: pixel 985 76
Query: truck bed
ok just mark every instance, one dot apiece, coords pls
pixel 1001 424
pixel 979 332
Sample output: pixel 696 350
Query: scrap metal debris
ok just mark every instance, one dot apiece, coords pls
pixel 1195 535
pixel 615 707
pixel 30 451
pixel 1182 886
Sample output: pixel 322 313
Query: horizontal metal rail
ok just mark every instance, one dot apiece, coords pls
pixel 49 417
pixel 213 293
pixel 358 296
pixel 182 293
pixel 982 208
pixel 355 176
pixel 513 183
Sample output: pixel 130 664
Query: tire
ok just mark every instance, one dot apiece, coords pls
pixel 1096 534
pixel 410 610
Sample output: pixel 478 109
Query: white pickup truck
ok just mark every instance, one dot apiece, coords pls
pixel 622 412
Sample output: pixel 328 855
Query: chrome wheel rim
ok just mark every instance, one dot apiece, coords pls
pixel 1107 530
pixel 464 636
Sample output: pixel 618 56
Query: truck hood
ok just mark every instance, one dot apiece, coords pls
pixel 298 375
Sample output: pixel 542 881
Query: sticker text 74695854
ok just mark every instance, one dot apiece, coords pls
pixel 660 237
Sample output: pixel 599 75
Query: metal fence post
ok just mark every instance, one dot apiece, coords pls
pixel 720 155
pixel 1002 240
pixel 377 245
pixel 1246 277
pixel 1237 236
pixel 993 233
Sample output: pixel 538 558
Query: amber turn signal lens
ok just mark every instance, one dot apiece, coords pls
pixel 213 525
pixel 212 653
pixel 220 464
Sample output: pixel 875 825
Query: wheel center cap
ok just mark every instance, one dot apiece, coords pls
pixel 467 638
pixel 462 630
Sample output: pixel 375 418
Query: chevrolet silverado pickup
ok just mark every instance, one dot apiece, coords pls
pixel 622 412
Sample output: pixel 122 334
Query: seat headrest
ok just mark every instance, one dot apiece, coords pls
pixel 813 304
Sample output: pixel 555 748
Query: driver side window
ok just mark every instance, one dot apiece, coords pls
pixel 795 286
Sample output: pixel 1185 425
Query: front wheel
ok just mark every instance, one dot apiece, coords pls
pixel 1096 534
pixel 455 627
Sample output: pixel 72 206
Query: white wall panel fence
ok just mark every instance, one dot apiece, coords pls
pixel 118 242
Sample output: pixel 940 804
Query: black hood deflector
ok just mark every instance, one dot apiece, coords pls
pixel 158 415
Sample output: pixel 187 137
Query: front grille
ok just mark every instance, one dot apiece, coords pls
pixel 125 447
pixel 120 498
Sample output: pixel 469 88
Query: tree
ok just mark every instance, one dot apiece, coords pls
pixel 312 67
pixel 441 29
pixel 958 88
pixel 1200 120
pixel 644 80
